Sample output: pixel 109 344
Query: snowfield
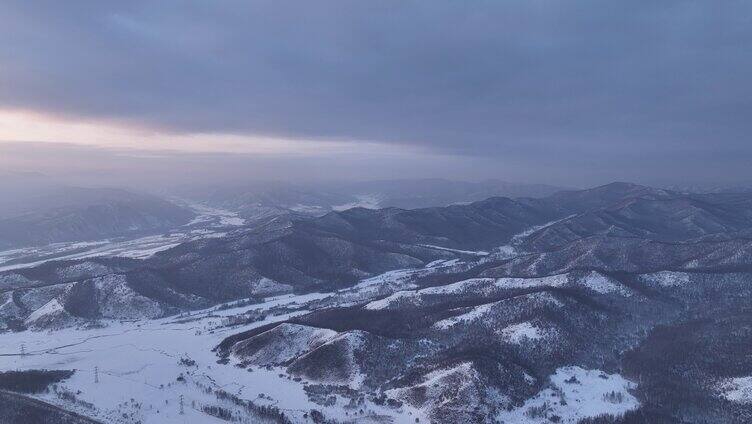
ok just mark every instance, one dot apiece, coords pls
pixel 130 372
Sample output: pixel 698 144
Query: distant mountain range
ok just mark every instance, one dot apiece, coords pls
pixel 619 227
pixel 42 211
pixel 260 198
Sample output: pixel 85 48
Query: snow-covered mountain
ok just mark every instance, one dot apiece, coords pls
pixel 617 304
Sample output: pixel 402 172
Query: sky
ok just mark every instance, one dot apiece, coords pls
pixel 561 92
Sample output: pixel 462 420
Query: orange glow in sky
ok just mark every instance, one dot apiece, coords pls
pixel 20 126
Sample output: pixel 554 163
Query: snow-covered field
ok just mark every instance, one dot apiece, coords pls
pixel 131 371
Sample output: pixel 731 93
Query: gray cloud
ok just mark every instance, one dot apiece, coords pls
pixel 584 82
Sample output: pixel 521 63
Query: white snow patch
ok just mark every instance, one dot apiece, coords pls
pixel 465 252
pixel 667 278
pixel 473 314
pixel 390 300
pixel 390 277
pixel 441 263
pixel 435 263
pixel 594 281
pixel 506 251
pixel 51 307
pixel 476 285
pixel 517 333
pixel 559 280
pixel 517 238
pixel 738 389
pixel 602 284
pixel 588 393
pixel 267 287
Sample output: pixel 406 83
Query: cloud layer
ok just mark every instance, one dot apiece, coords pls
pixel 583 81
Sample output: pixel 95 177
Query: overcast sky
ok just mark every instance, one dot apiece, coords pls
pixel 567 92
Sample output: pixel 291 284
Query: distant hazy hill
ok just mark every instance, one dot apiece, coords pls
pixel 37 211
pixel 260 198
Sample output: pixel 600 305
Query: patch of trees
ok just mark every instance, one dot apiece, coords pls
pixel 31 381
pixel 677 365
pixel 23 410
pixel 266 412
pixel 639 416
